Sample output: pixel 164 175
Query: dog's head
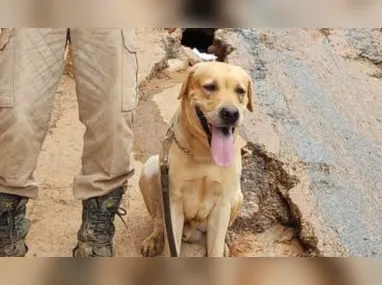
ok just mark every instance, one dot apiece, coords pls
pixel 217 94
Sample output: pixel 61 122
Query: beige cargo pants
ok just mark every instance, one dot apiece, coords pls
pixel 105 71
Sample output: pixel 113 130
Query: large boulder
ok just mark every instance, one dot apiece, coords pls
pixel 318 119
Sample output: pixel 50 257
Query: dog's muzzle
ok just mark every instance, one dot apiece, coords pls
pixel 229 117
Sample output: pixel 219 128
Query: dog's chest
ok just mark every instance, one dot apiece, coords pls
pixel 200 194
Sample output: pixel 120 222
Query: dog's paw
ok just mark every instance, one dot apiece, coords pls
pixel 152 245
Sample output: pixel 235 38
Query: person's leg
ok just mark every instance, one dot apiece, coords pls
pixel 31 63
pixel 105 70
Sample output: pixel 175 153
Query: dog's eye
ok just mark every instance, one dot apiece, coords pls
pixel 210 87
pixel 240 91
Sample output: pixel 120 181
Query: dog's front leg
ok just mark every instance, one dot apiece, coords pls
pixel 177 218
pixel 217 228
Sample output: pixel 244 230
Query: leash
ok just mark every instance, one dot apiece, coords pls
pixel 165 184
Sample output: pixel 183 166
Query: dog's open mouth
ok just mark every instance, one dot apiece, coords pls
pixel 220 140
pixel 227 131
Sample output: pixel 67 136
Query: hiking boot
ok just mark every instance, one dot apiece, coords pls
pixel 95 237
pixel 13 225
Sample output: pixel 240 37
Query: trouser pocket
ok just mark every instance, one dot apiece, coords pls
pixel 129 70
pixel 7 65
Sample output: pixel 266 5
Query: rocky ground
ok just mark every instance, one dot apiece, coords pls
pixel 318 93
pixel 311 162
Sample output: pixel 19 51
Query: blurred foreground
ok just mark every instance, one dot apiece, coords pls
pixel 191 271
pixel 191 13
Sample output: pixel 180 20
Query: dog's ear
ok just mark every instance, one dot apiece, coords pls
pixel 251 94
pixel 184 89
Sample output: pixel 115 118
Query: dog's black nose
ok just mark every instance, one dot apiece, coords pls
pixel 229 115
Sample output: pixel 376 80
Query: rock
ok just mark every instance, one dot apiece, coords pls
pixel 176 65
pixel 192 57
pixel 263 175
pixel 167 102
pixel 221 46
pixel 212 49
pixel 320 95
pixel 367 43
pixel 170 30
pixel 152 55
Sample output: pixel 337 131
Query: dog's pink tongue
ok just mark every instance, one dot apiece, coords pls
pixel 222 148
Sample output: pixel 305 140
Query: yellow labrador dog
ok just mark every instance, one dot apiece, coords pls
pixel 204 160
